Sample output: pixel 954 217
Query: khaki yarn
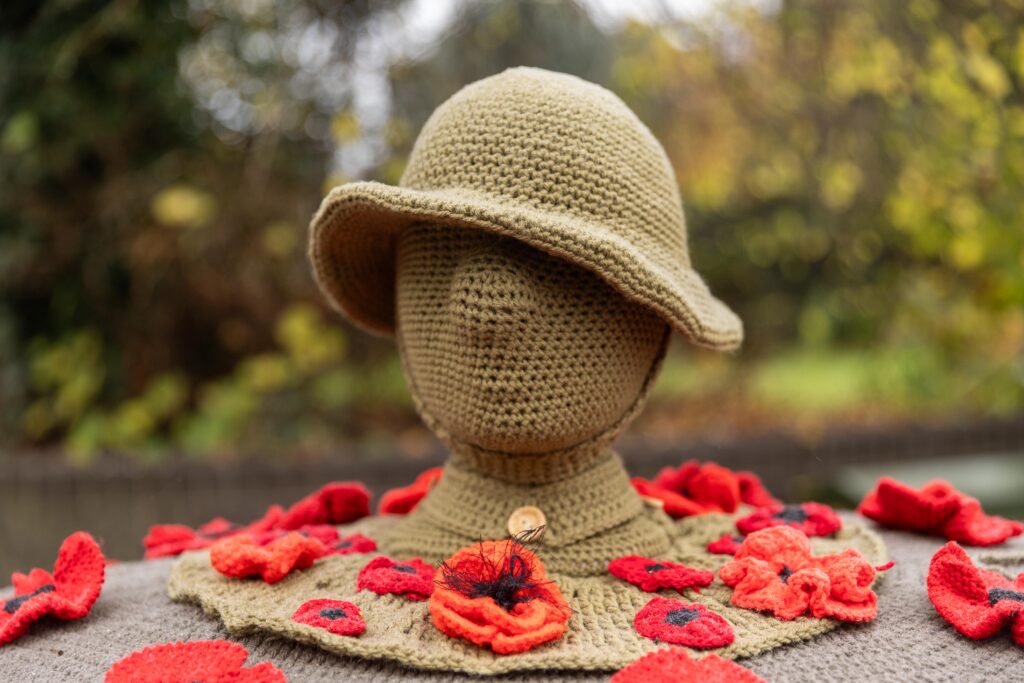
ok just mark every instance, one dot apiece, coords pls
pixel 591 518
pixel 515 351
pixel 547 159
pixel 600 634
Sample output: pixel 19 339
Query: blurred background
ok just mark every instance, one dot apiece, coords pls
pixel 852 174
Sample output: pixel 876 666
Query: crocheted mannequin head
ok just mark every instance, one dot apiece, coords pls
pixel 530 263
pixel 512 350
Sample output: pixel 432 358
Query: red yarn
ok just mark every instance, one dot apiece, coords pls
pixel 497 594
pixel 209 661
pixel 675 505
pixel 774 571
pixel 242 557
pixel 694 488
pixel 401 501
pixel 937 509
pixel 351 544
pixel 682 623
pixel 382 575
pixel 977 602
pixel 68 593
pixel 325 533
pixel 339 502
pixel 675 666
pixel 726 544
pixel 814 519
pixel 337 616
pixel 652 575
pixel 334 503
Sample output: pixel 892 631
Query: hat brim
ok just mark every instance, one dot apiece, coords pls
pixel 352 249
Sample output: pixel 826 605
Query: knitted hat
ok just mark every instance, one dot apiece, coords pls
pixel 548 159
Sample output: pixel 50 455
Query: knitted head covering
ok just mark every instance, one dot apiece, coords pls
pixel 532 264
pixel 545 158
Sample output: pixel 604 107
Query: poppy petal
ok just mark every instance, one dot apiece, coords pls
pixel 337 616
pixel 351 544
pixel 243 557
pixel 413 579
pixel 496 594
pixel 726 544
pixel 976 602
pixel 937 508
pixel 69 593
pixel 207 660
pixel 674 665
pixel 774 571
pixel 652 575
pixel 682 623
pixel 401 501
pixel 814 519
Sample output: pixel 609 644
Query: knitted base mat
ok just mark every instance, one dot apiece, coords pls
pixel 600 635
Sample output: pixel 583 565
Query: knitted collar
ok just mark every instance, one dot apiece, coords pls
pixel 590 517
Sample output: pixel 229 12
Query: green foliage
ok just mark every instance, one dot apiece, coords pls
pixel 851 170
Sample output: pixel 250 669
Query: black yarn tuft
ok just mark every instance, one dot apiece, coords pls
pixel 508 580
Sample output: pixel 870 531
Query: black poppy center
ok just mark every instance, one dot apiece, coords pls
pixel 738 539
pixel 682 616
pixel 343 544
pixel 785 573
pixel 651 568
pixel 508 583
pixel 12 605
pixel 791 513
pixel 333 613
pixel 997 594
pixel 404 568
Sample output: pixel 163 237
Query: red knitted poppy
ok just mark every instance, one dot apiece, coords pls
pixel 774 571
pixel 652 575
pixel 675 666
pixel 339 502
pixel 68 593
pixel 209 661
pixel 937 509
pixel 242 557
pixel 351 544
pixel 753 492
pixel 337 616
pixel 496 593
pixel 682 623
pixel 814 519
pixel 401 501
pixel 726 544
pixel 694 488
pixel 675 505
pixel 382 575
pixel 977 602
pixel 325 533
pixel 334 503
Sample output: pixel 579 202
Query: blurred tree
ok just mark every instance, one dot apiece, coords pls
pixel 852 174
pixel 159 162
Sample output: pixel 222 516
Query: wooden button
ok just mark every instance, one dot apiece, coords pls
pixel 651 502
pixel 525 519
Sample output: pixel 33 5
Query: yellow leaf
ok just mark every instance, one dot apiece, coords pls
pixel 183 206
pixel 344 127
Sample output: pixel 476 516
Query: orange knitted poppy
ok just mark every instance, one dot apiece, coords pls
pixel 774 571
pixel 496 593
